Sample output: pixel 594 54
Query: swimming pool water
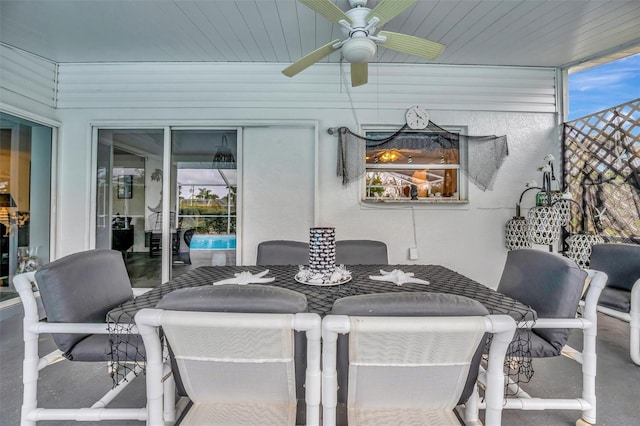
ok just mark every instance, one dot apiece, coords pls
pixel 213 242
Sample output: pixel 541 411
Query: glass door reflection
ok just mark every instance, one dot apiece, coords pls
pixel 205 164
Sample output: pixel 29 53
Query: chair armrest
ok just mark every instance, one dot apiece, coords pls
pixel 558 323
pixel 69 327
pixel 635 297
pixel 597 283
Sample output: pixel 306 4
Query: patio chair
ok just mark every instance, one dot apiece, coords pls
pixel 76 291
pixel 153 233
pixel 621 296
pixel 361 252
pixel 553 285
pixel 282 252
pixel 236 354
pixel 184 248
pixel 409 358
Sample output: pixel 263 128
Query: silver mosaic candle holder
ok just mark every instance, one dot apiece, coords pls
pixel 322 250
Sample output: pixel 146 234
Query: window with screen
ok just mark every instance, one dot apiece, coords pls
pixel 413 166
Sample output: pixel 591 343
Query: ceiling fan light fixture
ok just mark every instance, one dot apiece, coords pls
pixel 358 50
pixel 361 38
pixel 357 3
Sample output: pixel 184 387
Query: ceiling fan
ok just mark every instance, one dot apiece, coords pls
pixel 359 27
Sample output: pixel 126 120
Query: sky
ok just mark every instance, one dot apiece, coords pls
pixel 604 86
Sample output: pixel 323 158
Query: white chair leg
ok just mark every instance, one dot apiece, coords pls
pixel 634 323
pixel 472 408
pixel 30 374
pixel 169 386
pixel 154 370
pixel 589 358
pixel 30 365
pixel 329 372
pixel 634 341
pixel 311 325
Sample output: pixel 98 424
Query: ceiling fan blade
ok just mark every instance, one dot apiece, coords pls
pixel 327 9
pixel 412 45
pixel 309 59
pixel 359 74
pixel 386 10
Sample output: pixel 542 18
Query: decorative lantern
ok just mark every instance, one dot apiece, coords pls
pixel 517 236
pixel 544 225
pixel 579 247
pixel 560 201
pixel 516 228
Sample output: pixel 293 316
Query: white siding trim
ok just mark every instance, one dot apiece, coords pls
pixel 262 86
pixel 28 75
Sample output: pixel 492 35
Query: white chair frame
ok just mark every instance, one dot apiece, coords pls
pixel 148 322
pixel 33 363
pixel 502 327
pixel 633 318
pixel 521 400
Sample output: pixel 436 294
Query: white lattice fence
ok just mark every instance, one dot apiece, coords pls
pixel 602 171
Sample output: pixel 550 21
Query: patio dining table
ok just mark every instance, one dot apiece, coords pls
pixel 320 300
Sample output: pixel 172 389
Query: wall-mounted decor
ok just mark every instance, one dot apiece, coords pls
pixel 125 186
pixel 487 153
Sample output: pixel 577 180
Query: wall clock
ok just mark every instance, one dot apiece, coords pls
pixel 417 118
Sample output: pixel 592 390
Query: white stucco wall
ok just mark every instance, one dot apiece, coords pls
pixel 467 238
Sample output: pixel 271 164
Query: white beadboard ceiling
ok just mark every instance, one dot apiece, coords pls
pixel 509 32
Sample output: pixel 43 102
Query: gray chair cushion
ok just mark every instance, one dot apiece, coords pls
pixel 99 347
pixel 538 347
pixel 409 304
pixel 551 284
pixel 235 298
pixel 615 298
pixel 282 252
pixel 361 252
pixel 621 263
pixel 82 287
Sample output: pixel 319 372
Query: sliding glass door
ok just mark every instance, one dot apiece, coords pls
pixel 166 199
pixel 25 197
pixel 129 178
pixel 205 161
